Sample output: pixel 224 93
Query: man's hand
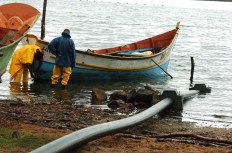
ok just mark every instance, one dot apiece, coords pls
pixel 31 70
pixel 33 75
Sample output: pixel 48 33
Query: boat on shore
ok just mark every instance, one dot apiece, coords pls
pixel 16 19
pixel 147 58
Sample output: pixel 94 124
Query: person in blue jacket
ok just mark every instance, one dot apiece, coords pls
pixel 63 48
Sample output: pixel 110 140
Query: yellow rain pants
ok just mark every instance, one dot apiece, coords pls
pixel 22 72
pixel 22 56
pixel 61 72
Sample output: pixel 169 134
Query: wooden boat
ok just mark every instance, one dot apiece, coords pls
pixel 129 61
pixel 16 20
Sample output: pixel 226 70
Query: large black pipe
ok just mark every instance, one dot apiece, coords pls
pixel 188 94
pixel 78 138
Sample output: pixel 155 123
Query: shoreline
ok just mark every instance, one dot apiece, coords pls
pixel 48 119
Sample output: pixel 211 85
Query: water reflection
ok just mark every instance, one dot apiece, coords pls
pixel 78 92
pixel 19 91
pixel 203 33
pixel 60 95
pixel 16 88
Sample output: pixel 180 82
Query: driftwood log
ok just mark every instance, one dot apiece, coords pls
pixel 196 136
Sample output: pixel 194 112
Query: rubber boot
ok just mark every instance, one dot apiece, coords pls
pixel 63 87
pixel 53 85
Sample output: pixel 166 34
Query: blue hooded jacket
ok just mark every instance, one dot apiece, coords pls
pixel 64 49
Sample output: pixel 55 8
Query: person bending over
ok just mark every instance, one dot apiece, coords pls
pixel 21 61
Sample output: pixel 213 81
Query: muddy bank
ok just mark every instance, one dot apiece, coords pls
pixel 57 115
pixel 61 118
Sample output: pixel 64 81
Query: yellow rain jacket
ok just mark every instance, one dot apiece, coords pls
pixel 22 56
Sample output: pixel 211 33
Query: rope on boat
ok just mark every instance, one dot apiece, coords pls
pixel 162 68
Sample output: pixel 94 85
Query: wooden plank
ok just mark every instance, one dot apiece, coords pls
pixel 134 55
pixel 131 51
pixel 9 36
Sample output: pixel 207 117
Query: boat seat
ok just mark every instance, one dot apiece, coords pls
pixel 131 55
pixel 8 37
pixel 131 51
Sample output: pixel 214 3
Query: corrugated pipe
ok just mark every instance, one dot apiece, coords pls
pixel 77 139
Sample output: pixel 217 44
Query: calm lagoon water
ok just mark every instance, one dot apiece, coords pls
pixel 205 34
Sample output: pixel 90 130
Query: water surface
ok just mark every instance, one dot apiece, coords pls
pixel 205 34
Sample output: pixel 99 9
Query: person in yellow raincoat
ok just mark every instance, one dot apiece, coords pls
pixel 21 61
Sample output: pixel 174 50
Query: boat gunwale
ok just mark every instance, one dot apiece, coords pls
pixel 125 69
pixel 114 57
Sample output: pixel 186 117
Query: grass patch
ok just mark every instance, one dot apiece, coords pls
pixel 26 141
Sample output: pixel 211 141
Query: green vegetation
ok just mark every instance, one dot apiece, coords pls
pixel 26 142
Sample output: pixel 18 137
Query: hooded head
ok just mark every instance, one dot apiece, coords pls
pixel 38 54
pixel 66 33
pixel 66 30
